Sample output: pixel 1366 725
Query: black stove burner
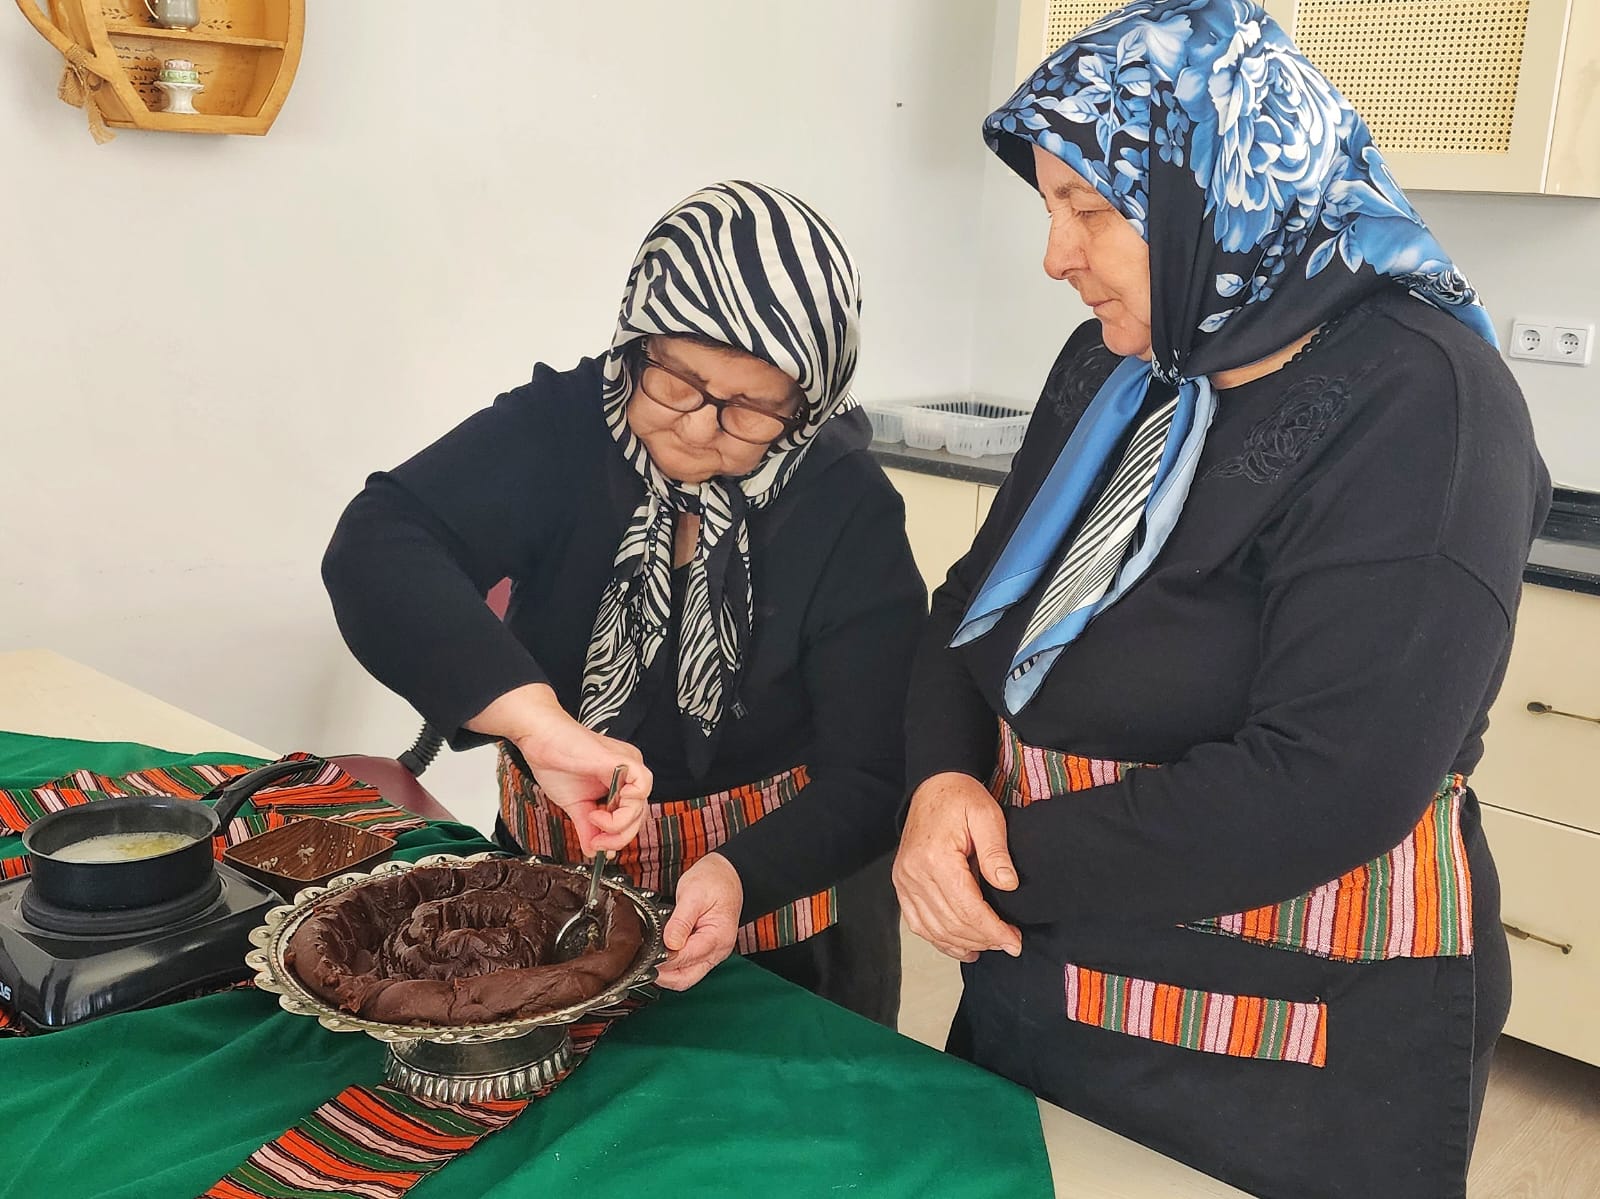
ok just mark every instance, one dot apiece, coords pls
pixel 50 917
pixel 53 977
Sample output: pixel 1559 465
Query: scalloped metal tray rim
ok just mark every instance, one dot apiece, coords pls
pixel 274 976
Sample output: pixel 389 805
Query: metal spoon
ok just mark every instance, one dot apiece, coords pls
pixel 582 929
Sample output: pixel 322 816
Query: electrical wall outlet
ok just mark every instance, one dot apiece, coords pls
pixel 1573 343
pixel 1528 340
pixel 1551 340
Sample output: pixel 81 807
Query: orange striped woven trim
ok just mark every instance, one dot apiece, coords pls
pixel 675 836
pixel 376 1142
pixel 331 792
pixel 1413 902
pixel 1026 774
pixel 1278 1030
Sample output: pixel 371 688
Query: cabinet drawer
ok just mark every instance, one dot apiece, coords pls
pixel 941 518
pixel 1547 874
pixel 1545 764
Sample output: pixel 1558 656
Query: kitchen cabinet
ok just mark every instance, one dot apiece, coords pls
pixel 1541 812
pixel 1544 729
pixel 1461 95
pixel 986 496
pixel 941 518
pixel 1547 874
pixel 1466 95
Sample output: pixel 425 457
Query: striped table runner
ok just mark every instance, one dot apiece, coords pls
pixel 378 1142
pixel 331 793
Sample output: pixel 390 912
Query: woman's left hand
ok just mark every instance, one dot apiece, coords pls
pixel 954 831
pixel 704 923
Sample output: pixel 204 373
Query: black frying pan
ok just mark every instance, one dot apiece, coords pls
pixel 141 882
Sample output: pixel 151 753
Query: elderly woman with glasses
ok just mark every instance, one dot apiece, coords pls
pixel 711 587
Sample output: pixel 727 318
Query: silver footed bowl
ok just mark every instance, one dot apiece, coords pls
pixel 271 941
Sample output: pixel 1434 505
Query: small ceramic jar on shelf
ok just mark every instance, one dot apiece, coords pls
pixel 179 82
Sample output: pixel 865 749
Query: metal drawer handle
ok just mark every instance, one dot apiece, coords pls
pixel 1523 934
pixel 1539 709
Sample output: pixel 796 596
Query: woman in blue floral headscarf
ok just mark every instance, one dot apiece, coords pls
pixel 1238 613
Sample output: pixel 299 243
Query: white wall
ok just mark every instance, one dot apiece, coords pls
pixel 1528 256
pixel 1021 317
pixel 207 343
pixel 1536 256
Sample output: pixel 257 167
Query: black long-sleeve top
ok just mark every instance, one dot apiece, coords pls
pixel 535 489
pixel 1315 647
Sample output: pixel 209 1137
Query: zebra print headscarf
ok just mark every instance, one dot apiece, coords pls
pixel 756 269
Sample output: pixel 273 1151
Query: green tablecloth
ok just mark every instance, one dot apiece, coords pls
pixel 742 1086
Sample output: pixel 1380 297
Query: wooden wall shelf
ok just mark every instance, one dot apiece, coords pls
pixel 189 35
pixel 246 52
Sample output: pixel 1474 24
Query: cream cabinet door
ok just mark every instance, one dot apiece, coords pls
pixel 941 518
pixel 986 496
pixel 1543 763
pixel 1547 874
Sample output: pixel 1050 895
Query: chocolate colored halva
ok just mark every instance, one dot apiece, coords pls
pixel 459 945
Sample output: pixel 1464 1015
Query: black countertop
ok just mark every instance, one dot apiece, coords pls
pixel 991 470
pixel 1566 554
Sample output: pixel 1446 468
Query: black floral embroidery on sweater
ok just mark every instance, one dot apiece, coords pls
pixel 1074 381
pixel 1276 442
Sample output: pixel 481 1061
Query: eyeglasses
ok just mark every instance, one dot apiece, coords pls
pixel 739 419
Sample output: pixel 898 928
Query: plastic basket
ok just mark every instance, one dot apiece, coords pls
pixel 973 427
pixel 887 419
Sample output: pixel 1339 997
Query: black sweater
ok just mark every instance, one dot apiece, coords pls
pixel 1316 646
pixel 535 489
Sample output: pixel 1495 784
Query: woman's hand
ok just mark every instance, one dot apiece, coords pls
pixel 704 923
pixel 953 823
pixel 572 764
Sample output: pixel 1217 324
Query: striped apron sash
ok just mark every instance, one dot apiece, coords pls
pixel 675 836
pixel 1413 902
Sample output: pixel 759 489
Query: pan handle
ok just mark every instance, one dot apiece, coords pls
pixel 228 798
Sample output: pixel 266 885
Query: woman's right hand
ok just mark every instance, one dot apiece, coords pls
pixel 573 765
pixel 954 822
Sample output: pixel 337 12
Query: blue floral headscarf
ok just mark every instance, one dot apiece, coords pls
pixel 1268 211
